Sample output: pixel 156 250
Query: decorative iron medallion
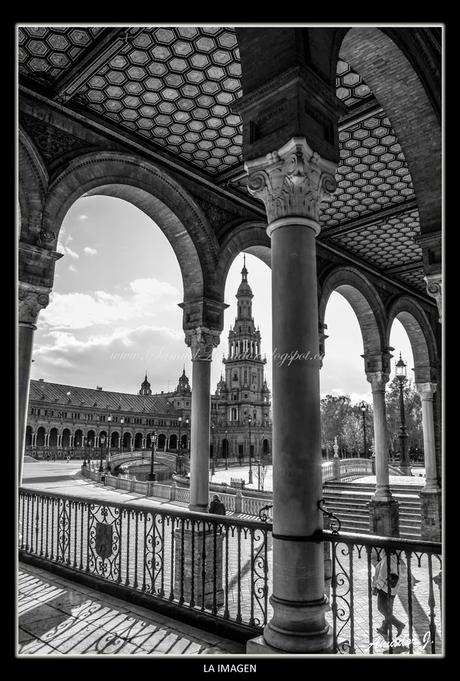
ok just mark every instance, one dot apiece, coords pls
pixel 104 533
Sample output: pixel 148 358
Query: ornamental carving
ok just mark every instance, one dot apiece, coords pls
pixel 292 181
pixel 434 289
pixel 31 302
pixel 378 380
pixel 51 141
pixel 202 341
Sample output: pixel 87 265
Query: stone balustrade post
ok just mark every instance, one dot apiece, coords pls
pixel 430 495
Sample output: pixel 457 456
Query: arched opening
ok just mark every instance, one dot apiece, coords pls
pixel 225 448
pixel 28 436
pixel 66 438
pixel 53 438
pixel 391 77
pixel 91 438
pixel 184 442
pixel 41 437
pixel 173 441
pixel 161 441
pixel 138 441
pixel 352 326
pixel 78 438
pixel 265 447
pixel 127 438
pixel 115 440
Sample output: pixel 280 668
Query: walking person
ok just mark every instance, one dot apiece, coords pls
pixel 385 587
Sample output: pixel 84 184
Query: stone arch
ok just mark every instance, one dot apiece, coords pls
pixel 127 438
pixel 161 441
pixel 40 437
pixel 367 305
pixel 115 439
pixel 66 437
pixel 154 192
pixel 173 441
pixel 78 438
pixel 32 186
pixel 138 441
pixel 250 237
pixel 421 337
pixel 380 58
pixel 29 436
pixel 91 438
pixel 53 437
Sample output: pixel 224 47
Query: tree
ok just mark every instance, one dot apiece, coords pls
pixel 341 419
pixel 334 409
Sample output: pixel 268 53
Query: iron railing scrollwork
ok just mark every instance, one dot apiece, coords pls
pixel 221 566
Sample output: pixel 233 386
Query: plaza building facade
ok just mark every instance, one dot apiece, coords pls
pixel 66 420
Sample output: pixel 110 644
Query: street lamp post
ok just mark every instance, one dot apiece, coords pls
pixel 250 458
pixel 258 474
pixel 122 420
pixel 101 443
pixel 401 376
pixel 152 475
pixel 109 419
pixel 226 450
pixel 84 442
pixel 363 407
pixel 179 447
pixel 213 470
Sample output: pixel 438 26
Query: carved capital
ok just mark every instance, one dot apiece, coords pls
pixel 202 341
pixel 378 380
pixel 434 289
pixel 379 362
pixel 31 301
pixel 426 390
pixel 292 181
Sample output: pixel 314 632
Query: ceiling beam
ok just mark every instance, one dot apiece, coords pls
pixel 368 220
pixel 104 47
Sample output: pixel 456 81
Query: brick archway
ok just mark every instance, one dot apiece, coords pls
pixel 157 195
pixel 356 288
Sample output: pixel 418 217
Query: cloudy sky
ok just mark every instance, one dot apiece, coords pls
pixel 114 310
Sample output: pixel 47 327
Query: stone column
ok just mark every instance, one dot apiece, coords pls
pixel 31 300
pixel 430 495
pixel 201 341
pixel 383 508
pixel 291 182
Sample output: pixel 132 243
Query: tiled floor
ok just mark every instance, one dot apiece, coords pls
pixel 59 617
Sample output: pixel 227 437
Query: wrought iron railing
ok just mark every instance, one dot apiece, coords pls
pixel 364 619
pixel 220 566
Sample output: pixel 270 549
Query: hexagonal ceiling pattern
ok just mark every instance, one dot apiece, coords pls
pixel 44 53
pixel 173 87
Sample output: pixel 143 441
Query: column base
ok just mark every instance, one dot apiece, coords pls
pixel 384 517
pixel 431 508
pixel 298 628
pixel 198 507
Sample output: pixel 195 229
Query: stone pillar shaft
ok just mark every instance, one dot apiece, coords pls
pixel 31 300
pixel 426 391
pixel 378 381
pixel 292 182
pixel 201 341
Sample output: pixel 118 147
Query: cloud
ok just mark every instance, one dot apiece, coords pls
pixel 82 217
pixel 65 250
pixel 116 360
pixel 72 268
pixel 90 251
pixel 141 298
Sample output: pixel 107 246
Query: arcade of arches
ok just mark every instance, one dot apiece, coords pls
pixel 317 149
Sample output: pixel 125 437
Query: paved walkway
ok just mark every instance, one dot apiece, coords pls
pixel 59 617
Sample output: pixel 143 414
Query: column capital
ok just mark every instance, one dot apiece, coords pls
pixel 202 341
pixel 377 379
pixel 291 182
pixel 434 289
pixel 426 390
pixel 32 299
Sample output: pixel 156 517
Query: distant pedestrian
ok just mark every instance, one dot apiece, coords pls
pixel 216 506
pixel 385 587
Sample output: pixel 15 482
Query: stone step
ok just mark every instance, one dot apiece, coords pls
pixel 343 502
